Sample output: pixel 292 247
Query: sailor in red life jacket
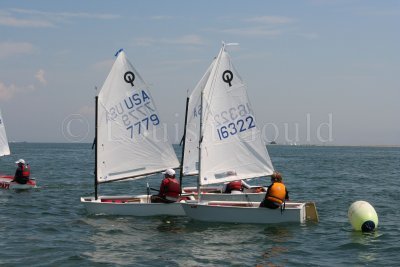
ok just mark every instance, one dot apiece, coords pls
pixel 169 189
pixel 276 194
pixel 234 187
pixel 22 173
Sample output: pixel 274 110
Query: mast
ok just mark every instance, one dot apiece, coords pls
pixel 200 140
pixel 95 151
pixel 183 145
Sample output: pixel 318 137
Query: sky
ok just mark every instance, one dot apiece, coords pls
pixel 318 71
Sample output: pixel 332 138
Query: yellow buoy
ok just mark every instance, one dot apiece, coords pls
pixel 362 216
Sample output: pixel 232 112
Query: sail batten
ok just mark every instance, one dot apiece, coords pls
pixel 131 141
pixel 130 178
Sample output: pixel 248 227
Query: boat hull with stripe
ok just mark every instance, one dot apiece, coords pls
pixel 250 212
pixel 139 205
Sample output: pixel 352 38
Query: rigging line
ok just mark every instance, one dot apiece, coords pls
pixel 148 191
pixel 283 206
pixel 248 199
pixel 94 143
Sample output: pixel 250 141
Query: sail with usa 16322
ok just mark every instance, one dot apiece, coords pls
pixel 232 121
pixel 136 112
pixel 235 120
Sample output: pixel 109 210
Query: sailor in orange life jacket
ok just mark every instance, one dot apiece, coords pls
pixel 276 193
pixel 169 189
pixel 22 173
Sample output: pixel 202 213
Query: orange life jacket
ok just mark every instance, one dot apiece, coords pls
pixel 276 193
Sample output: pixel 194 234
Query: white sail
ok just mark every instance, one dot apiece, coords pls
pixel 231 147
pixel 131 139
pixel 4 147
pixel 191 159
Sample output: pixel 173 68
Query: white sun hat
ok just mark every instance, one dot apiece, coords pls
pixel 170 172
pixel 20 161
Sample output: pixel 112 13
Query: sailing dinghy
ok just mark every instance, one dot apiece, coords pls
pixel 130 143
pixel 230 143
pixel 6 180
pixel 6 183
pixel 190 158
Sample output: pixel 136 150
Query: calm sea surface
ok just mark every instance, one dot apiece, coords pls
pixel 49 227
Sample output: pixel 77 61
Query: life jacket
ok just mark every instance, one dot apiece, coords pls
pixel 26 171
pixel 172 189
pixel 276 193
pixel 234 186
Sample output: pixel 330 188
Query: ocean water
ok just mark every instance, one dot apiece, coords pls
pixel 49 227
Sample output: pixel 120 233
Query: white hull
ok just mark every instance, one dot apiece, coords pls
pixel 249 197
pixel 249 212
pixel 139 205
pixel 5 183
pixel 209 195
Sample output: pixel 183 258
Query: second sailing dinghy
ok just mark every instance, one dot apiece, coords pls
pixel 190 165
pixel 231 148
pixel 130 143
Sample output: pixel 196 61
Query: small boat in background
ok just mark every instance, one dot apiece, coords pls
pixel 4 147
pixel 6 181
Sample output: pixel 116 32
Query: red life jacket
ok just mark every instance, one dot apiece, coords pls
pixel 235 185
pixel 172 189
pixel 26 171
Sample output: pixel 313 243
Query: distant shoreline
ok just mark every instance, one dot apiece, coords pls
pixel 334 145
pixel 268 145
